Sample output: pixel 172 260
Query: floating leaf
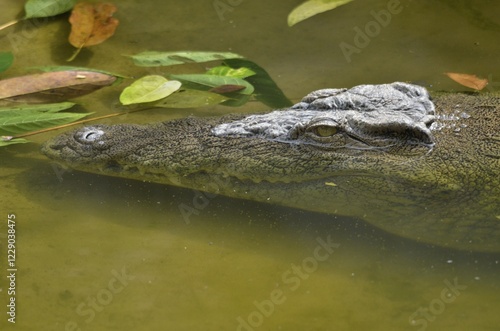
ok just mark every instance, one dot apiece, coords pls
pixel 43 108
pixel 214 81
pixel 230 72
pixel 47 8
pixel 15 120
pixel 53 86
pixel 156 59
pixel 227 89
pixel 91 24
pixel 72 68
pixel 266 90
pixel 191 99
pixel 467 80
pixel 311 8
pixel 6 141
pixel 6 59
pixel 148 89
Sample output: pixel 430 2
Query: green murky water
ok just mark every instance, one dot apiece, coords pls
pixel 97 253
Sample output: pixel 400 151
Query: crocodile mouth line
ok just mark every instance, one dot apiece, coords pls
pixel 215 175
pixel 135 171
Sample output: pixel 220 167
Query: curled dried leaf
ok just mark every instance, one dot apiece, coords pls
pixel 53 86
pixel 471 81
pixel 91 24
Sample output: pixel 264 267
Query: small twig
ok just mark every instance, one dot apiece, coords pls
pixel 6 25
pixel 75 53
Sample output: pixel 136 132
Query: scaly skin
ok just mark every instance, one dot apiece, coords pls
pixel 448 194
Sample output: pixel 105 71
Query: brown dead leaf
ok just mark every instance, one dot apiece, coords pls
pixel 471 81
pixel 91 24
pixel 53 86
pixel 228 88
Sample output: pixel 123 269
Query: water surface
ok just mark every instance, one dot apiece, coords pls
pixel 99 253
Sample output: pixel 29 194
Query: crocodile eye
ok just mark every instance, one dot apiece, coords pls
pixel 325 130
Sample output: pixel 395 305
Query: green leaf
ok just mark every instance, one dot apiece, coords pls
pixel 191 99
pixel 47 8
pixel 230 72
pixel 156 59
pixel 148 89
pixel 6 142
pixel 266 90
pixel 16 120
pixel 6 59
pixel 311 8
pixel 213 81
pixel 43 108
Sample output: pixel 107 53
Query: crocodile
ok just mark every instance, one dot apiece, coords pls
pixel 419 167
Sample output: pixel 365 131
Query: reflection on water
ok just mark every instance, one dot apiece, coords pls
pixel 109 254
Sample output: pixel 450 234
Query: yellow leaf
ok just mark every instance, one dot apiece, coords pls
pixel 467 80
pixel 311 8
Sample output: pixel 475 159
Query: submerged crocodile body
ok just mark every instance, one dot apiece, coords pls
pixel 383 153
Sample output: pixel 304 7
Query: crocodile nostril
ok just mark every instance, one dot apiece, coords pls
pixel 88 135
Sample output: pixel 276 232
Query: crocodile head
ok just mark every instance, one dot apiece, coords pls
pixel 371 151
pixel 393 118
